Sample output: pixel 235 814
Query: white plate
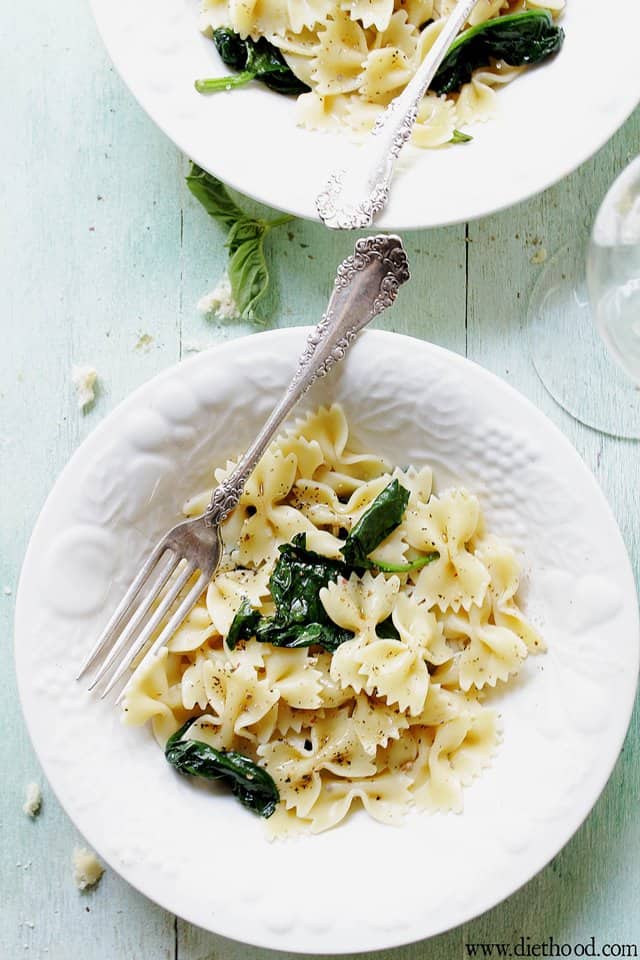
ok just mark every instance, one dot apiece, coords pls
pixel 361 886
pixel 550 120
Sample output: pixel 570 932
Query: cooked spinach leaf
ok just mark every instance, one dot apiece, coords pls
pixel 300 619
pixel 255 60
pixel 379 520
pixel 251 784
pixel 244 624
pixel 517 38
pixel 247 267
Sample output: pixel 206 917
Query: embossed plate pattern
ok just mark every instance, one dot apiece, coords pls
pixel 205 857
pixel 549 120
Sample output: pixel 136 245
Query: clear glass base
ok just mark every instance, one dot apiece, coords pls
pixel 570 357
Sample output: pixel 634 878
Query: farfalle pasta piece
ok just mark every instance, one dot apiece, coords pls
pixel 504 572
pixel 449 758
pixel 154 693
pixel 420 630
pixel 233 692
pixel 322 505
pixel 371 13
pixel 340 55
pixel 448 524
pixel 329 428
pixel 333 745
pixel 491 653
pixel 376 723
pixel 385 797
pixel 195 630
pixel 292 673
pixel 227 590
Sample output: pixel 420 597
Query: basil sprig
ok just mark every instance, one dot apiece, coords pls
pixel 247 267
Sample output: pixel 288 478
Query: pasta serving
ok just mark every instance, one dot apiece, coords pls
pixel 368 688
pixel 350 59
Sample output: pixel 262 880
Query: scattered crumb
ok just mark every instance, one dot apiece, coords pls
pixel 190 346
pixel 33 800
pixel 87 869
pixel 84 380
pixel 220 301
pixel 539 256
pixel 7 591
pixel 143 341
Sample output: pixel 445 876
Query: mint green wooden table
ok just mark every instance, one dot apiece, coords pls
pixel 102 243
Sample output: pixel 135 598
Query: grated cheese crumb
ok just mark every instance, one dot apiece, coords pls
pixel 220 301
pixel 87 869
pixel 539 256
pixel 33 800
pixel 84 380
pixel 143 342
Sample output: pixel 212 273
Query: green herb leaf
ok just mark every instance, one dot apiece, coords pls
pixel 214 197
pixel 251 784
pixel 247 268
pixel 256 60
pixel 460 137
pixel 517 38
pixel 376 523
pixel 244 624
pixel 300 619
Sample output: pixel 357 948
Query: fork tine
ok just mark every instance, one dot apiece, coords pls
pixel 186 606
pixel 119 613
pixel 136 619
pixel 152 624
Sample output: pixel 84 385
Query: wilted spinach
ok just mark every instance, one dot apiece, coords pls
pixel 244 624
pixel 377 522
pixel 251 784
pixel 300 619
pixel 255 60
pixel 517 38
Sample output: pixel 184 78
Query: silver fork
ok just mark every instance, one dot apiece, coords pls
pixel 366 283
pixel 351 198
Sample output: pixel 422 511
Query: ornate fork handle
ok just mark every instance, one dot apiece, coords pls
pixel 366 284
pixel 351 199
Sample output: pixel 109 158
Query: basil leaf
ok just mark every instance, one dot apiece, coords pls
pixel 247 269
pixel 251 784
pixel 517 38
pixel 376 523
pixel 244 624
pixel 214 197
pixel 300 619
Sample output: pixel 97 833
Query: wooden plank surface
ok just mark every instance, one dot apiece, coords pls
pixel 101 244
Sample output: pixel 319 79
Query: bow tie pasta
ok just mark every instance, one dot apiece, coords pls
pixel 344 650
pixel 347 61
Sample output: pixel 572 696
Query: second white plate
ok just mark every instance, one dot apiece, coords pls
pixel 549 120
